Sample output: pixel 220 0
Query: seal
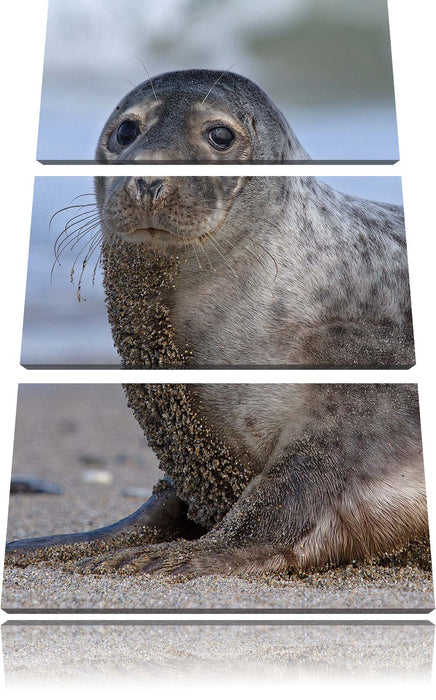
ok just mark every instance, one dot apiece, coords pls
pixel 198 116
pixel 252 271
pixel 278 477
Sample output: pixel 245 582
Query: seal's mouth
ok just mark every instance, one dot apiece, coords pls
pixel 153 236
pixel 148 235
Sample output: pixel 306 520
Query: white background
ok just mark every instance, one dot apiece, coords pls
pixel 413 42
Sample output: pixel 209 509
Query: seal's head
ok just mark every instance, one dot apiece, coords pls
pixel 197 116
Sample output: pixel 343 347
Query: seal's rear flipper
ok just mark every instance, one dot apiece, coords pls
pixel 162 518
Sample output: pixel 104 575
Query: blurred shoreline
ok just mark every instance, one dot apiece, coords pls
pixel 325 63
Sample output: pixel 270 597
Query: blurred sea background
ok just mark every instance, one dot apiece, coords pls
pixel 325 63
pixel 60 331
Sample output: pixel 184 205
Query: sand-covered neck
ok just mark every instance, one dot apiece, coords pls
pixel 139 286
pixel 207 475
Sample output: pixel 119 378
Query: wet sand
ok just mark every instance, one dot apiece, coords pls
pixel 65 430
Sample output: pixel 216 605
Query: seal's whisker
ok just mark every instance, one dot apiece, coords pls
pixel 259 245
pixel 70 206
pixel 149 76
pixel 260 259
pixel 88 243
pixel 86 232
pixel 185 245
pixel 217 81
pixel 87 247
pixel 210 239
pixel 94 271
pixel 228 260
pixel 95 242
pixel 91 225
pixel 129 81
pixel 203 249
pixel 65 244
pixel 194 248
pixel 85 194
pixel 83 209
pixel 268 221
pixel 80 216
pixel 92 246
pixel 77 233
pixel 74 221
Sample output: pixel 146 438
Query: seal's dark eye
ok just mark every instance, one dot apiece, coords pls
pixel 221 137
pixel 127 132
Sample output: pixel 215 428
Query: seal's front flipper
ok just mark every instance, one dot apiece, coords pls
pixel 32 484
pixel 258 534
pixel 312 508
pixel 199 558
pixel 162 518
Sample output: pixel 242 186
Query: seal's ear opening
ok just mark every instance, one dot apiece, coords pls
pixel 251 122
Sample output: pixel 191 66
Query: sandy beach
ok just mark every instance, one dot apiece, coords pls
pixel 66 431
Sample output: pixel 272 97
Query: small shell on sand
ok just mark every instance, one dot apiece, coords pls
pixel 136 492
pixel 97 476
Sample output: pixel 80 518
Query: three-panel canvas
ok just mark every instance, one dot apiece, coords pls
pixel 247 487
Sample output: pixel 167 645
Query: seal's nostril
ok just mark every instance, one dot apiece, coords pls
pixel 141 187
pixel 153 188
pixel 156 188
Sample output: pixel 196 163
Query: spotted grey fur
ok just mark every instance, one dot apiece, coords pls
pixel 291 274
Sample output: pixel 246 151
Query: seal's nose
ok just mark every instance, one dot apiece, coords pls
pixel 147 186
